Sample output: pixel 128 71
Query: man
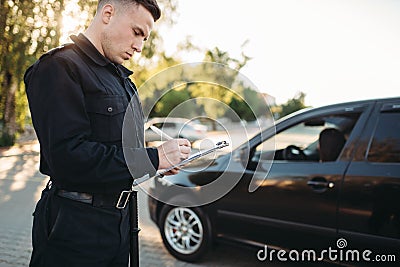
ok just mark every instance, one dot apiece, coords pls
pixel 78 95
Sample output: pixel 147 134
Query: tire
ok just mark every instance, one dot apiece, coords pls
pixel 186 232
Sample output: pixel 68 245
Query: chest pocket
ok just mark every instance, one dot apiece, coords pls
pixel 106 114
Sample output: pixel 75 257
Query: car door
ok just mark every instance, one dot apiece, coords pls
pixel 295 194
pixel 369 212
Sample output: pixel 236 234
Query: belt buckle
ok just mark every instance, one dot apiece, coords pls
pixel 123 199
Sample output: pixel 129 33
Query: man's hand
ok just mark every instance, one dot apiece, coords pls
pixel 172 152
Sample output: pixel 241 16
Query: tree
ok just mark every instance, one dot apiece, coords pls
pixel 173 102
pixel 293 105
pixel 250 106
pixel 225 86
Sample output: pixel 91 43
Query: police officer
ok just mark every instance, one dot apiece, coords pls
pixel 78 95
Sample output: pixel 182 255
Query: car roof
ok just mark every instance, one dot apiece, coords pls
pixel 339 104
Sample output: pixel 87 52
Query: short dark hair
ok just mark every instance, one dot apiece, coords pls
pixel 150 5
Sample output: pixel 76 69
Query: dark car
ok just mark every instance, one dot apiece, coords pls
pixel 319 175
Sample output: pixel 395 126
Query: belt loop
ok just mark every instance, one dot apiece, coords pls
pixel 49 185
pixel 123 199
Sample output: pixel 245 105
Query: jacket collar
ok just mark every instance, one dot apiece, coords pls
pixel 91 51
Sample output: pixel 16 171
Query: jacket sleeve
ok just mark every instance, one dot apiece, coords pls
pixel 61 121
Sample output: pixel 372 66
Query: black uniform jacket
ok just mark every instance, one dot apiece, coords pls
pixel 78 99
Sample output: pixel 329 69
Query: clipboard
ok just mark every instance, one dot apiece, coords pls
pixel 193 157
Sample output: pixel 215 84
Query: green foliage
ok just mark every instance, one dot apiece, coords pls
pixel 242 108
pixel 249 107
pixel 293 105
pixel 213 99
pixel 173 99
pixel 218 56
pixel 21 107
pixel 226 93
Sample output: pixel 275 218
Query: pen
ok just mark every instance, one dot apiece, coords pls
pixel 160 133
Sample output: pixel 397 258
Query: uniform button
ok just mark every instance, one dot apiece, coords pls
pixel 110 109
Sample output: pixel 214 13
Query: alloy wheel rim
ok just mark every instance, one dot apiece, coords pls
pixel 183 230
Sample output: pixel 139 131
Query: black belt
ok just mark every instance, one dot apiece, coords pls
pixel 96 200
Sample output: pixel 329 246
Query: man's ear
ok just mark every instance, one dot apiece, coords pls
pixel 107 12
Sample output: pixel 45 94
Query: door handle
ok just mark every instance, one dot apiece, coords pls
pixel 315 183
pixel 320 184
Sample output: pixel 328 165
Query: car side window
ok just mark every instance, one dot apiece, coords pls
pixel 385 145
pixel 317 139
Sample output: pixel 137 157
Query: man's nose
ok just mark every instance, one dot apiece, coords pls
pixel 137 46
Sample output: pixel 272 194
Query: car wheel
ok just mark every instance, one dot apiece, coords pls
pixel 186 232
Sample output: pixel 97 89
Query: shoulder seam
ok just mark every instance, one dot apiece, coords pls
pixel 56 49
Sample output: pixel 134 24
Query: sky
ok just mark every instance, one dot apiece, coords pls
pixel 332 50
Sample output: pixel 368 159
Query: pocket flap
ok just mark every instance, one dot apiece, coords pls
pixel 106 104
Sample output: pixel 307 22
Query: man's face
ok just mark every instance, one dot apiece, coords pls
pixel 125 33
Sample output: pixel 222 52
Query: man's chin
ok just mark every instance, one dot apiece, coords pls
pixel 119 60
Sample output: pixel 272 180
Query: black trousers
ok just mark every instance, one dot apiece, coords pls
pixel 74 234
